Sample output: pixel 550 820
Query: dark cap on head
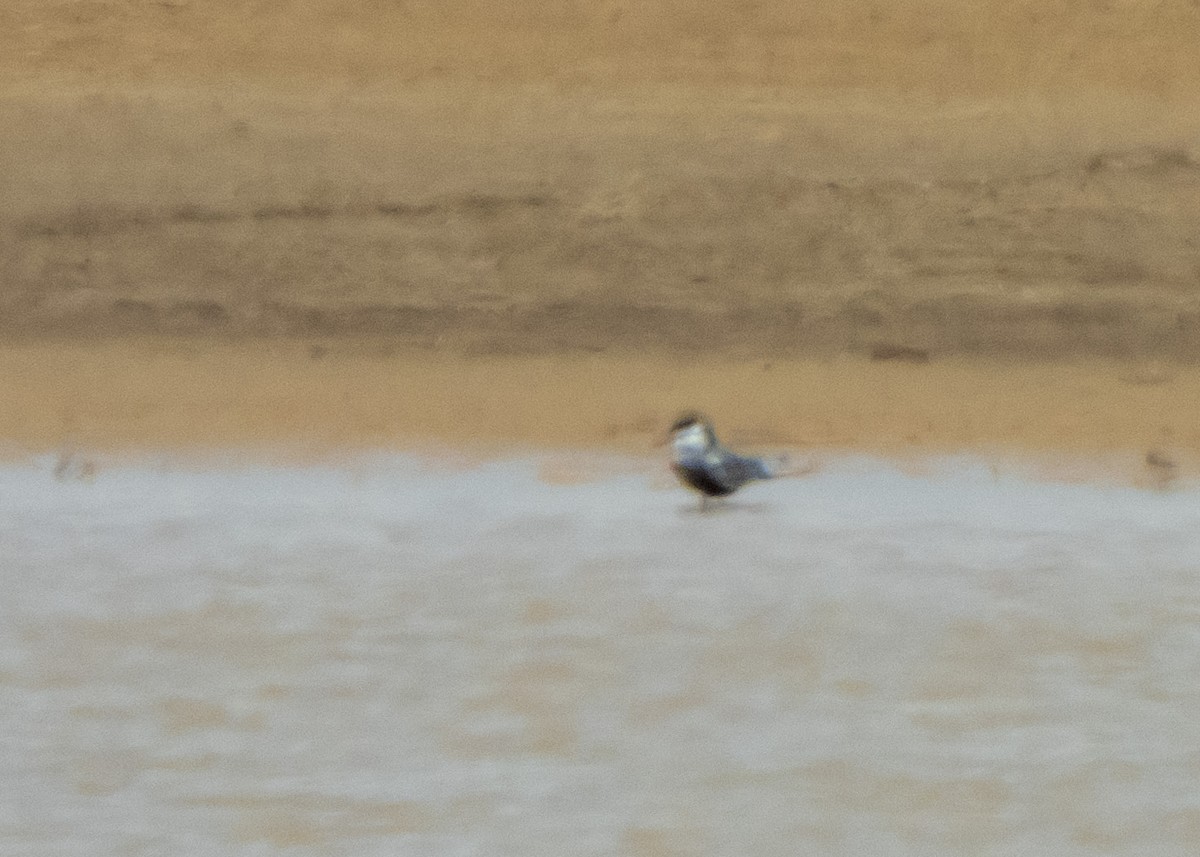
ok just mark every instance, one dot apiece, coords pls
pixel 687 419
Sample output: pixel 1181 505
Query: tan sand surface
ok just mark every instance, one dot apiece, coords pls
pixel 197 194
pixel 945 47
pixel 318 398
pixel 538 223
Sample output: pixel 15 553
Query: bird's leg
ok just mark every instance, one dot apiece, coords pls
pixel 703 502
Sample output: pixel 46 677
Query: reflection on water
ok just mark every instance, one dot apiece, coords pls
pixel 392 657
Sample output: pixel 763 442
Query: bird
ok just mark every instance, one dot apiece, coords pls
pixel 703 464
pixel 1162 467
pixel 1161 461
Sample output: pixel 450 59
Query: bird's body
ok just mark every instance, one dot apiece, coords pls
pixel 1162 466
pixel 705 466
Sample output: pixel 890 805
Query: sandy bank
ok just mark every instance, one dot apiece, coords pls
pixel 753 182
pixel 746 224
pixel 362 223
pixel 325 397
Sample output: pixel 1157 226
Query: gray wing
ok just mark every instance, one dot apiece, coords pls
pixel 735 470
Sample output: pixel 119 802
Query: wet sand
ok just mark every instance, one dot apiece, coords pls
pixel 392 656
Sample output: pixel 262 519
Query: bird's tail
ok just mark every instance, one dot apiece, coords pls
pixel 780 466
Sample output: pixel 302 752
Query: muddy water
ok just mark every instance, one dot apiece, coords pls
pixel 396 656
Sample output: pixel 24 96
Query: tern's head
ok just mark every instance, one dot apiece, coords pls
pixel 692 431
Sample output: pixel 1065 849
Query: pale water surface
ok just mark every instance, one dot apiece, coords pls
pixel 395 657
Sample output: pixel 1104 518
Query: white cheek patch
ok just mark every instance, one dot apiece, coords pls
pixel 691 441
